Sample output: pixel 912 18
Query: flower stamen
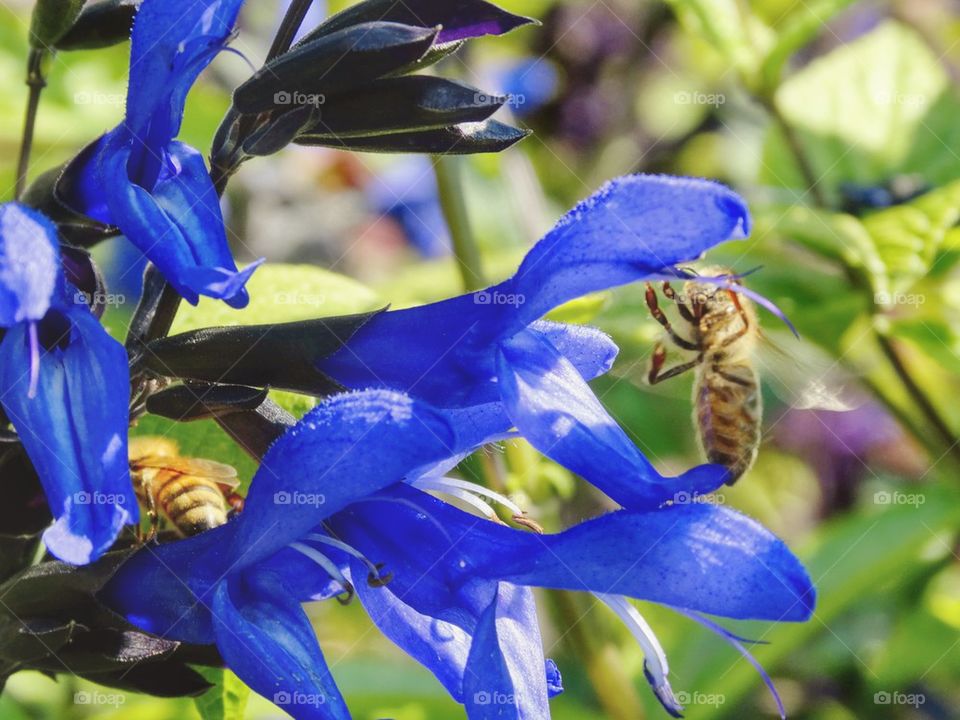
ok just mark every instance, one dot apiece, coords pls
pixel 476 496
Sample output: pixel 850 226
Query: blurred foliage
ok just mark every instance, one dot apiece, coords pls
pixel 807 109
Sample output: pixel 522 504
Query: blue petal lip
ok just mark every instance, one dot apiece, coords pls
pixel 556 411
pixel 74 431
pixel 178 224
pixel 267 640
pixel 29 264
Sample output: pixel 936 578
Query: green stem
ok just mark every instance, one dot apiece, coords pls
pixel 36 82
pixel 450 190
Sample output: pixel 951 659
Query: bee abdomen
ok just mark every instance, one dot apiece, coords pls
pixel 192 504
pixel 727 413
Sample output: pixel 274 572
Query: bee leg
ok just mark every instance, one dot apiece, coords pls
pixel 743 318
pixel 682 308
pixel 658 315
pixel 657 374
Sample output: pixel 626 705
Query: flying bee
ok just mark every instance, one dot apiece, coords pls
pixel 722 329
pixel 193 494
pixel 721 324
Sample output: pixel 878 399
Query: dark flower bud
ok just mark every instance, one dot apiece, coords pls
pixel 100 25
pixel 51 20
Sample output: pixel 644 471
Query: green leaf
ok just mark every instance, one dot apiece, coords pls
pixel 226 700
pixel 801 26
pixel 866 111
pixel 909 237
pixel 283 293
pixel 723 24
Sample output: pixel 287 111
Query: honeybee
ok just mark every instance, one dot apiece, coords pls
pixel 723 332
pixel 193 494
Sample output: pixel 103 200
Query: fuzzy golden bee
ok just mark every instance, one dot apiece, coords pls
pixel 721 328
pixel 193 494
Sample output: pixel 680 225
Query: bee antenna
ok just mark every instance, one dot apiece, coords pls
pixel 751 271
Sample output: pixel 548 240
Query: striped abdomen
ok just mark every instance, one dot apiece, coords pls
pixel 727 412
pixel 191 503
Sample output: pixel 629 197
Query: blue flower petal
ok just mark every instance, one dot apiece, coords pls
pixel 506 677
pixel 267 640
pixel 554 678
pixel 29 264
pixel 178 226
pixel 633 227
pixel 75 429
pixel 589 350
pixel 172 42
pixel 440 646
pixel 697 557
pixel 346 448
pixel 439 359
pixel 557 412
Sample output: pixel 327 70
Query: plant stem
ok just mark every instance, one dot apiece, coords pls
pixel 36 82
pixel 917 394
pixel 288 28
pixel 450 190
pixel 796 148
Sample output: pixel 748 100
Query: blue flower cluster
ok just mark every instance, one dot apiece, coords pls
pixel 351 497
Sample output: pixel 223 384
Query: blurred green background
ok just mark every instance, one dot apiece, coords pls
pixel 838 121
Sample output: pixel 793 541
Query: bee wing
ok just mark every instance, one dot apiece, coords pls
pixel 804 377
pixel 218 472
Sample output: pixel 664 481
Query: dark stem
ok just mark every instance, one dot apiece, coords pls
pixel 796 148
pixel 36 82
pixel 288 28
pixel 918 395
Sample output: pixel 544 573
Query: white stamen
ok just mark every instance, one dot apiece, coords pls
pixel 324 562
pixel 655 660
pixel 350 550
pixel 449 484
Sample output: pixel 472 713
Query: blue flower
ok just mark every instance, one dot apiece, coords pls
pixel 139 178
pixel 60 373
pixel 491 346
pixel 328 511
